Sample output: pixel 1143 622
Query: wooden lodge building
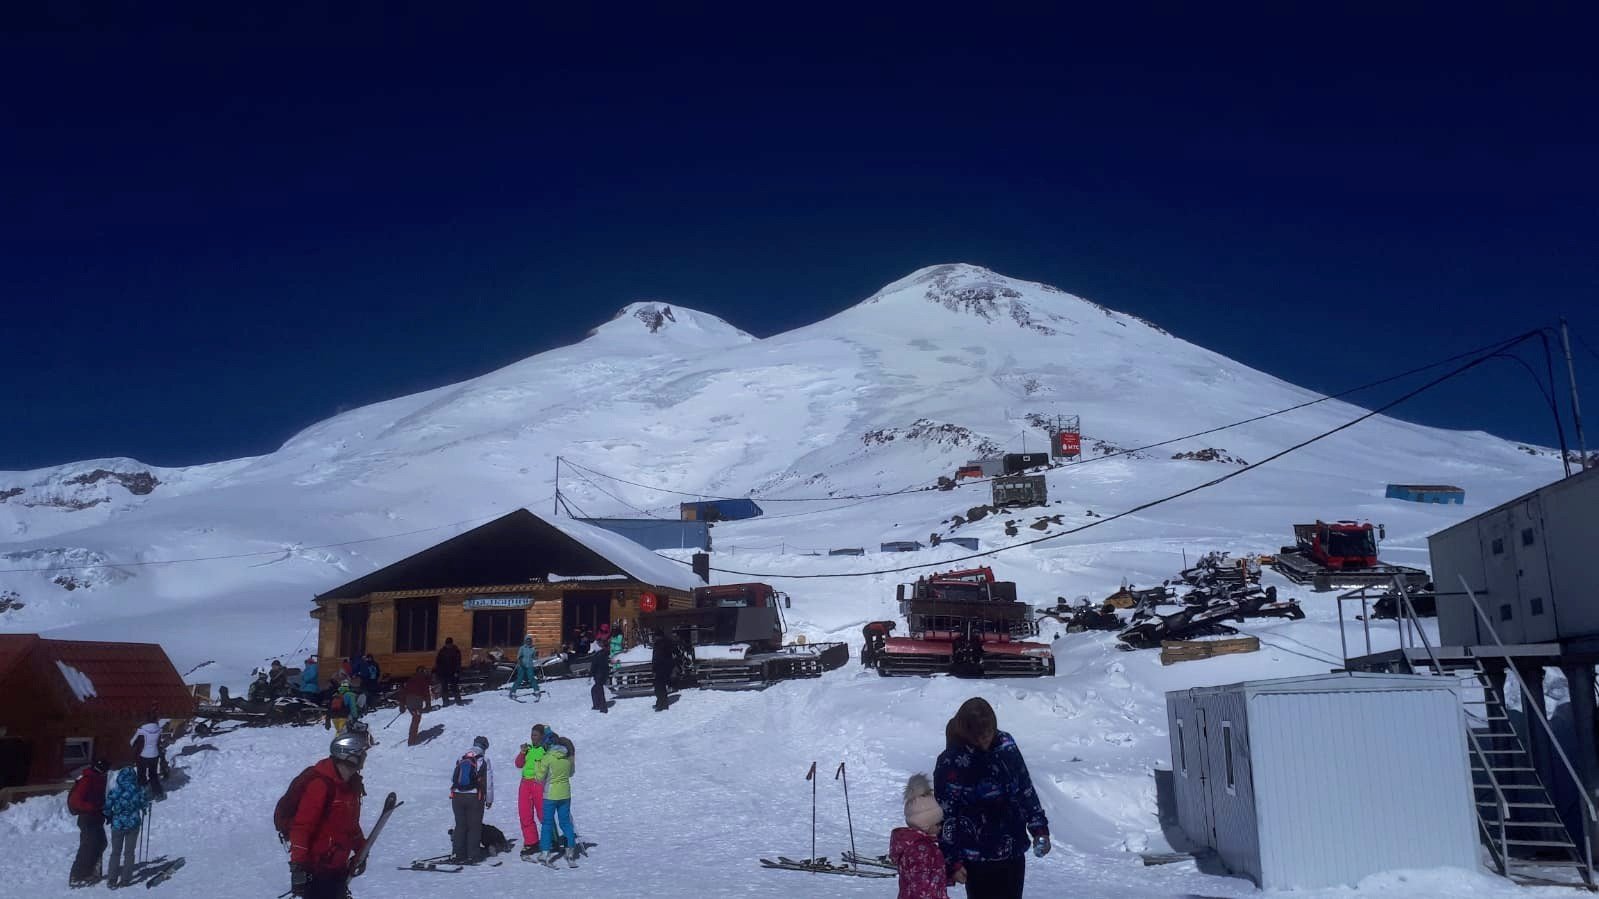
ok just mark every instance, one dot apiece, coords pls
pixel 518 574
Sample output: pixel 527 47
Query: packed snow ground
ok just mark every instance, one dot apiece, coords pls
pixel 683 803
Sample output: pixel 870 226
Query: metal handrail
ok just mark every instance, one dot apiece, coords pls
pixel 1504 804
pixel 1532 703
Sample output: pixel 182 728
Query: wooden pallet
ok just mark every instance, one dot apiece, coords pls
pixel 1174 651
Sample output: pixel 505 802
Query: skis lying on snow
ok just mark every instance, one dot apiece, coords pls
pixel 875 861
pixel 436 867
pixel 164 873
pixel 820 866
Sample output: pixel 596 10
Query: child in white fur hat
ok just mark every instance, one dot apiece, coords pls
pixel 914 847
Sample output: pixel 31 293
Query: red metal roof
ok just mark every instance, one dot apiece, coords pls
pixel 113 679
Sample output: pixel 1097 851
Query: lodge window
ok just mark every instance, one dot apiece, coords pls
pixel 500 627
pixel 1182 750
pixel 77 752
pixel 1526 536
pixel 416 624
pixel 1227 750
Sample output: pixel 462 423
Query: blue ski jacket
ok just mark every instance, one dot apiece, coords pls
pixel 125 804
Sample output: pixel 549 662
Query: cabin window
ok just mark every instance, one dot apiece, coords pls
pixel 1526 536
pixel 1535 605
pixel 1182 750
pixel 1227 750
pixel 416 624
pixel 1499 546
pixel 77 752
pixel 498 627
pixel 1504 612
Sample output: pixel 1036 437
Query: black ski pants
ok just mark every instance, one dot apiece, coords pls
pixel 663 684
pixel 450 685
pixel 466 841
pixel 597 694
pixel 91 844
pixel 996 880
pixel 150 774
pixel 327 886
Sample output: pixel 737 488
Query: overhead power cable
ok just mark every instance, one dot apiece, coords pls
pixel 1455 372
pixel 589 481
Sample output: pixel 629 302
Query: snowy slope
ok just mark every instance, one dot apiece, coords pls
pixel 890 393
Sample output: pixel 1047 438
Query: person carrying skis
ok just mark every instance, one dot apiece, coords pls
pixel 87 803
pixel 600 668
pixel 527 660
pixel 124 808
pixel 555 770
pixel 310 687
pixel 914 847
pixel 663 661
pixel 148 739
pixel 471 794
pixel 447 665
pixel 324 831
pixel 530 793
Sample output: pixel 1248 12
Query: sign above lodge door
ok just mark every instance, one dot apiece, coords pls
pixel 497 602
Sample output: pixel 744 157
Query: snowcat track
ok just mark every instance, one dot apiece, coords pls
pixel 1301 570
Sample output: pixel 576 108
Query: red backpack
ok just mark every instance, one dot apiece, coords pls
pixel 289 803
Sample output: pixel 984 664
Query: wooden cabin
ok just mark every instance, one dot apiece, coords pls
pixel 68 702
pixel 517 575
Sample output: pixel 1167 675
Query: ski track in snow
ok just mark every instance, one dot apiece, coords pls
pixel 683 803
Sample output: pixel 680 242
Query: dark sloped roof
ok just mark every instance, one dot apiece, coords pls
pixel 87 677
pixel 516 548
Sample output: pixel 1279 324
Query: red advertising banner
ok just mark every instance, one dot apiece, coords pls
pixel 1068 443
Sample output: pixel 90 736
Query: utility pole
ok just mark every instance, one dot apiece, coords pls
pixel 1576 404
pixel 557 510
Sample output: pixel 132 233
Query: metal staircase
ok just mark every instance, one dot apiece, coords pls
pixel 1516 815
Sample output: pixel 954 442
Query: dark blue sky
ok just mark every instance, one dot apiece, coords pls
pixel 218 231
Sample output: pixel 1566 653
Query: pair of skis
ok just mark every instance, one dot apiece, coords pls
pixel 819 864
pixel 823 866
pixel 164 873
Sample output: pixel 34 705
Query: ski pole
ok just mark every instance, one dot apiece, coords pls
pixel 811 776
pixel 847 816
pixel 395 718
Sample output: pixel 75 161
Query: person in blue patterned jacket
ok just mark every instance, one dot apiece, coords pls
pixel 124 807
pixel 991 813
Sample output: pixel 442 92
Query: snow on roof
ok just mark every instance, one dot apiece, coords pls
pixel 640 563
pixel 82 686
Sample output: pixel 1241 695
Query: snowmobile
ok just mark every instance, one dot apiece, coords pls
pixel 1083 616
pixel 732 638
pixel 294 709
pixel 1148 630
pixel 1422 599
pixel 1258 603
pixel 964 623
pixel 1215 568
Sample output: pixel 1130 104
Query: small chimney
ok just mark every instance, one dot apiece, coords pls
pixel 702 566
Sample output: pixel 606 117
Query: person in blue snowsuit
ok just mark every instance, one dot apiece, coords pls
pixel 527 659
pixel 124 808
pixel 310 687
pixel 992 815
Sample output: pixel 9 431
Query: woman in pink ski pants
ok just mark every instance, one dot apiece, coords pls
pixel 530 796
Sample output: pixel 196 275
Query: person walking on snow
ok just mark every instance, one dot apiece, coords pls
pixel 600 668
pixel 310 687
pixel 527 660
pixel 471 794
pixel 555 771
pixel 325 831
pixel 87 802
pixel 447 665
pixel 991 812
pixel 914 847
pixel 149 764
pixel 663 661
pixel 343 707
pixel 371 680
pixel 530 793
pixel 124 808
pixel 416 696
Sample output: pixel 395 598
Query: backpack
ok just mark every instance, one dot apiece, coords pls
pixel 336 705
pixel 289 803
pixel 465 779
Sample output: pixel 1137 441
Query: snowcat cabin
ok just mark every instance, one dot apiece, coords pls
pixel 1343 544
pixel 734 596
pixel 969 471
pixel 724 615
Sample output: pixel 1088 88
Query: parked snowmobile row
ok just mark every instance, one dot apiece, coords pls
pixel 732 638
pixel 959 622
pixel 1205 609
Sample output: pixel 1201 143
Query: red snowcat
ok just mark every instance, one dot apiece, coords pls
pixel 959 622
pixel 1330 555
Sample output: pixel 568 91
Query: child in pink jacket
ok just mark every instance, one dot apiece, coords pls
pixel 914 848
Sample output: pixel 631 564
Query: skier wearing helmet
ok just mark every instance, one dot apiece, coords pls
pixel 325 830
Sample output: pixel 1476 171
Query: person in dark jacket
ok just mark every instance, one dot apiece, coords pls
pixel 991 813
pixel 600 668
pixel 370 674
pixel 326 828
pixel 447 667
pixel 87 802
pixel 416 697
pixel 663 661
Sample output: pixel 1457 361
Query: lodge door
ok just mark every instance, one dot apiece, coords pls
pixel 16 756
pixel 352 630
pixel 583 610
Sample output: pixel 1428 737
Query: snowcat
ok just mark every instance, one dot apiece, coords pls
pixel 1329 555
pixel 732 638
pixel 959 622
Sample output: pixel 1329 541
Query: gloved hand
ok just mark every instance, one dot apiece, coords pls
pixel 299 880
pixel 1041 845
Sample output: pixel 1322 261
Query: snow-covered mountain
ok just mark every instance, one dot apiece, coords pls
pixel 945 364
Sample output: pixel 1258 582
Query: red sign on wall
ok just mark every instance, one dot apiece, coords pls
pixel 1068 443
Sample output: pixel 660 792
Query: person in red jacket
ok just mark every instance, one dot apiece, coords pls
pixel 326 830
pixel 87 802
pixel 914 847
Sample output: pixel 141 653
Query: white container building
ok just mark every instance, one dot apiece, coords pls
pixel 1317 781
